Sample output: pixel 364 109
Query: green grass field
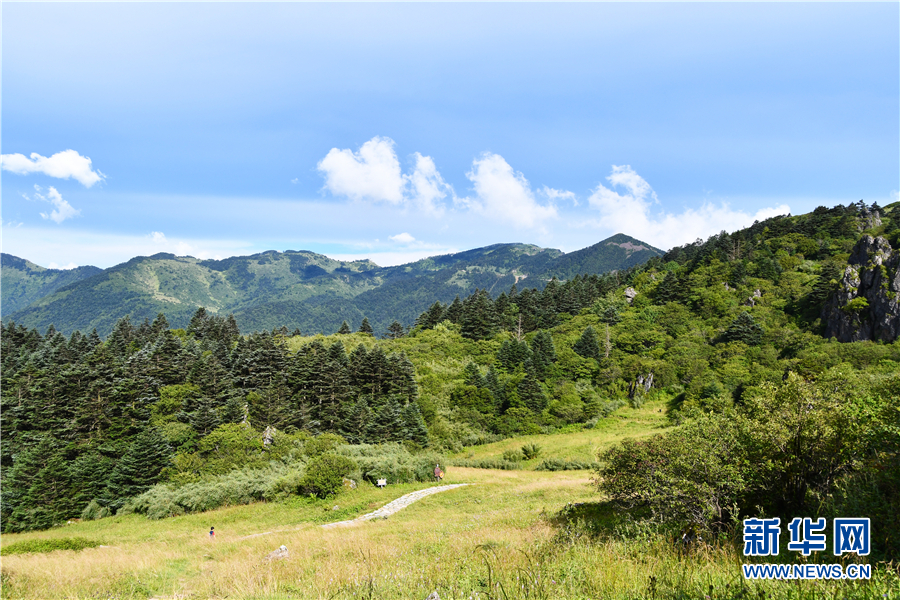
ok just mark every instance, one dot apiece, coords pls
pixel 502 537
pixel 584 444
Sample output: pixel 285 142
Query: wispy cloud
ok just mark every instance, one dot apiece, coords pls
pixel 47 244
pixel 403 238
pixel 554 195
pixel 632 212
pixel 505 194
pixel 67 267
pixel 67 164
pixel 62 210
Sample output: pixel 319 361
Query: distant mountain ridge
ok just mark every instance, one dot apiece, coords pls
pixel 23 282
pixel 297 289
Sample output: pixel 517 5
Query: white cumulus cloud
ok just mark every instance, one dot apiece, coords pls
pixel 67 164
pixel 631 212
pixel 403 238
pixel 504 194
pixel 158 236
pixel 428 188
pixel 373 173
pixel 62 210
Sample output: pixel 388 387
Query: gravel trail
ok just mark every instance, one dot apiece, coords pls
pixel 382 513
pixel 397 505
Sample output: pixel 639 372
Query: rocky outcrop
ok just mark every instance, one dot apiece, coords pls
pixel 866 305
pixel 869 218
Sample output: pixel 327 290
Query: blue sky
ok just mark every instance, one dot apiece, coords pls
pixel 396 131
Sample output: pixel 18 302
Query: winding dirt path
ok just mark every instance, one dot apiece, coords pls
pixel 382 513
pixel 397 505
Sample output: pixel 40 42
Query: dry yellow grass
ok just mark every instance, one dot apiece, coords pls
pixel 461 543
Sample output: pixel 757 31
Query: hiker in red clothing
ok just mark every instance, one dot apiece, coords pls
pixel 438 474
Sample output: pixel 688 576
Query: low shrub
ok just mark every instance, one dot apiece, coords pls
pixel 323 443
pixel 392 462
pixel 94 510
pixel 530 451
pixel 325 474
pixel 26 546
pixel 487 463
pixel 558 464
pixel 234 488
pixel 513 455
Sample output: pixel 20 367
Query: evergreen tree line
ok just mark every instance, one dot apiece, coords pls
pixel 86 419
pixel 519 312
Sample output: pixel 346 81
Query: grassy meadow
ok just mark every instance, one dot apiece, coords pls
pixel 512 534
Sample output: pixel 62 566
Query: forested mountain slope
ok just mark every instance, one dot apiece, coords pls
pixel 23 282
pixel 294 289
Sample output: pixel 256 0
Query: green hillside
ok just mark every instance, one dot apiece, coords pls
pixel 23 282
pixel 293 289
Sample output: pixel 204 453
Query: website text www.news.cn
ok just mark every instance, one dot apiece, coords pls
pixel 850 536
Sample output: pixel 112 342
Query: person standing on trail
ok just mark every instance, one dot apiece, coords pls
pixel 212 533
pixel 438 474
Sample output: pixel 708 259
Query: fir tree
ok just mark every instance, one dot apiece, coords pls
pixel 333 389
pixel 121 337
pixel 353 427
pixel 670 289
pixel 395 331
pixel 160 324
pixel 345 328
pixel 478 321
pixel 513 353
pixel 744 329
pixel 472 376
pixel 454 311
pixel 492 382
pixel 431 317
pixel 531 393
pixel 366 327
pixel 387 425
pixel 587 345
pixel 197 326
pixel 414 425
pixel 139 467
pixel 543 353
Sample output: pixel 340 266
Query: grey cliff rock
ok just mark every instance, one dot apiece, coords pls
pixel 866 305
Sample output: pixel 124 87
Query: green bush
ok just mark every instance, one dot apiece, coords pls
pixel 558 464
pixel 325 475
pixel 487 463
pixel 530 451
pixel 234 488
pixel 26 546
pixel 94 510
pixel 392 462
pixel 323 443
pixel 693 475
pixel 513 455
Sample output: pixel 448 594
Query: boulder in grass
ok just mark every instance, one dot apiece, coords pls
pixel 281 552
